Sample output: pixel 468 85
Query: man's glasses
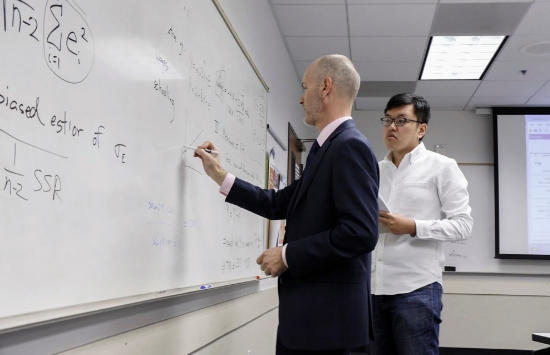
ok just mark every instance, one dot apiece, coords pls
pixel 386 121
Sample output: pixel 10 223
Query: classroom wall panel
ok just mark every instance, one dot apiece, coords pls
pixel 493 322
pixel 247 323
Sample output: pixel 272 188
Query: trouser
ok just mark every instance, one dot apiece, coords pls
pixel 407 324
pixel 283 350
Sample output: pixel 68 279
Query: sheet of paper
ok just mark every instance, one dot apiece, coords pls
pixel 382 206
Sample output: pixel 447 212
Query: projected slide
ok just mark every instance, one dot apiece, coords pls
pixel 522 182
pixel 537 137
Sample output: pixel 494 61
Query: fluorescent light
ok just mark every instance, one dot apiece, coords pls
pixel 460 57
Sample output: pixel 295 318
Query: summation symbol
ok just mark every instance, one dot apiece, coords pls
pixel 68 41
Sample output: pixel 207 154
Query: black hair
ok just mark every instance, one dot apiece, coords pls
pixel 421 106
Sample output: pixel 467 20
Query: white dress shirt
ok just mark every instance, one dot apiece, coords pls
pixel 430 189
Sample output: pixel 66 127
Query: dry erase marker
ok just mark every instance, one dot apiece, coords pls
pixel 205 149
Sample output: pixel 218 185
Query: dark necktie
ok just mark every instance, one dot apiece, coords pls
pixel 314 148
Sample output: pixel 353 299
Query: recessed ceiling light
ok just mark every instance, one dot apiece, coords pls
pixel 537 49
pixel 460 57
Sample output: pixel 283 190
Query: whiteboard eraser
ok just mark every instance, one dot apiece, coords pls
pixel 450 268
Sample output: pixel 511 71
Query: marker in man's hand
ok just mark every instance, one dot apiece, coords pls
pixel 205 149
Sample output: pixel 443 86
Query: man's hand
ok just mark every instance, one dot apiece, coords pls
pixel 397 224
pixel 211 162
pixel 271 262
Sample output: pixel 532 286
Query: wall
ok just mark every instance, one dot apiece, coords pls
pixel 494 311
pixel 481 310
pixel 239 327
pixel 468 137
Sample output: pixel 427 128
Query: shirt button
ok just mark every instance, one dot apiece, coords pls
pixel 379 259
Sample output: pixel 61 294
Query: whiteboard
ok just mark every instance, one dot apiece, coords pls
pixel 98 200
pixel 477 253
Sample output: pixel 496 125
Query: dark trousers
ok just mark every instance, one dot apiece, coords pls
pixel 283 350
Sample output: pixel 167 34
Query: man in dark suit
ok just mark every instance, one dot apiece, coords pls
pixel 332 221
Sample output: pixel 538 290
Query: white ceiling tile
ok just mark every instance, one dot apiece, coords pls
pixel 308 2
pixel 388 71
pixel 447 103
pixel 508 88
pixel 391 49
pixel 446 88
pixel 391 20
pixel 388 44
pixel 535 22
pixel 308 20
pixel 539 101
pixel 475 19
pixel 385 88
pixel 372 104
pixel 484 102
pixel 544 91
pixel 510 70
pixel 513 47
pixel 311 48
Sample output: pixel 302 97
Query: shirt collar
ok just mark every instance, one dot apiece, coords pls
pixel 331 127
pixel 413 155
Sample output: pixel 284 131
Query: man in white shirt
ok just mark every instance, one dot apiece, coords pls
pixel 332 221
pixel 428 198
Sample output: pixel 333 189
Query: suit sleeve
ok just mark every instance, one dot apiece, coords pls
pixel 268 203
pixel 355 191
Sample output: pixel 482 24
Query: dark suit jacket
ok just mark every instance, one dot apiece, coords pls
pixel 332 226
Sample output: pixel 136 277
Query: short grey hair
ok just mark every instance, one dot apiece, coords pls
pixel 343 73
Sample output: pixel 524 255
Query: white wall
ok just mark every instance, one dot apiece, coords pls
pixel 237 326
pixel 250 322
pixel 468 137
pixel 491 311
pixel 494 311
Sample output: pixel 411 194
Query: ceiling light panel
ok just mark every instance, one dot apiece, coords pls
pixel 460 57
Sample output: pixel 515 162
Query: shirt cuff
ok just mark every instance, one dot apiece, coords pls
pixel 422 228
pixel 227 184
pixel 284 255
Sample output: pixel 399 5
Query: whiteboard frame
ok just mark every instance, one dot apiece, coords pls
pixel 28 320
pixel 64 335
pixel 241 45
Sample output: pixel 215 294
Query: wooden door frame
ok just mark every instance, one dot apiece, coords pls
pixel 295 149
